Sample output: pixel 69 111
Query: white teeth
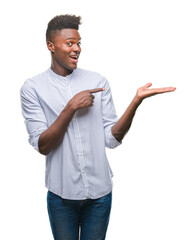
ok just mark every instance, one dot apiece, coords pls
pixel 75 57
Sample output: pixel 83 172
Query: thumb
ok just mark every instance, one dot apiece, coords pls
pixel 148 85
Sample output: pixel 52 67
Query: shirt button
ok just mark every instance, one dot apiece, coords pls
pixel 77 136
pixel 83 171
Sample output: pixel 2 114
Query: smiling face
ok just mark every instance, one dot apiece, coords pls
pixel 65 49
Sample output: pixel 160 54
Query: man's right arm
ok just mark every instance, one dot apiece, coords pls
pixel 53 136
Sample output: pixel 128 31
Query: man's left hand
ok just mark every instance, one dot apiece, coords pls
pixel 144 92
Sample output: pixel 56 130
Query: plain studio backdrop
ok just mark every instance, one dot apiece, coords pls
pixel 131 43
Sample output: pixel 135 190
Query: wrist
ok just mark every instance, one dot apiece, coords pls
pixel 70 107
pixel 137 99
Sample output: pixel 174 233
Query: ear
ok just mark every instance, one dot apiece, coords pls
pixel 50 46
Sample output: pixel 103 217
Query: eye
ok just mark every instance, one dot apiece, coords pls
pixel 79 44
pixel 69 44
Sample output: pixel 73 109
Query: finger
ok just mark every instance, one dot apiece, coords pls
pixel 92 96
pixel 148 85
pixel 155 91
pixel 96 90
pixel 165 89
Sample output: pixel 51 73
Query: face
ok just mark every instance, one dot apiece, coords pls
pixel 65 49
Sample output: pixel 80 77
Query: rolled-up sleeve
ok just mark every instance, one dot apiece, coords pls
pixel 33 113
pixel 109 115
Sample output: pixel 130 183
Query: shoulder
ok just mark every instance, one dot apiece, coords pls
pixel 31 83
pixel 94 76
pixel 84 72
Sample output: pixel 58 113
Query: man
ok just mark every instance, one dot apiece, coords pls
pixel 71 118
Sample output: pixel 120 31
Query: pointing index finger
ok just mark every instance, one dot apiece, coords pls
pixel 96 90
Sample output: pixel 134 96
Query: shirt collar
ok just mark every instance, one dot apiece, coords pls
pixel 59 77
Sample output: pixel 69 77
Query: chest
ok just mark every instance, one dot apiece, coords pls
pixel 54 96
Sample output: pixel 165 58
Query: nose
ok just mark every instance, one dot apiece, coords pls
pixel 76 48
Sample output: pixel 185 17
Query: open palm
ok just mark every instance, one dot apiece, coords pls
pixel 144 92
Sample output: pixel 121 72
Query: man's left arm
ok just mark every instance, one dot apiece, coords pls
pixel 121 127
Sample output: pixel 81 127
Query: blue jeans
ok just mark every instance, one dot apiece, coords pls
pixel 90 217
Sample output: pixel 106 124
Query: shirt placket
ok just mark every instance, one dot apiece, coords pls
pixel 79 146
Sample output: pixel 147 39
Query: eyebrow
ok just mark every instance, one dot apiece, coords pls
pixel 73 38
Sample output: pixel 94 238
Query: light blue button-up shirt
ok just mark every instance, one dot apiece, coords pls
pixel 78 168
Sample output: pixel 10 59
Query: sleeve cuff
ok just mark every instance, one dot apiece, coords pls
pixel 34 138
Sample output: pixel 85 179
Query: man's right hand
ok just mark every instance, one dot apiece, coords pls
pixel 84 99
pixel 52 137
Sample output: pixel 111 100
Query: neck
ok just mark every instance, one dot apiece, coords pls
pixel 60 70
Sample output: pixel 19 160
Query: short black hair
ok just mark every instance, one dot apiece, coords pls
pixel 62 21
